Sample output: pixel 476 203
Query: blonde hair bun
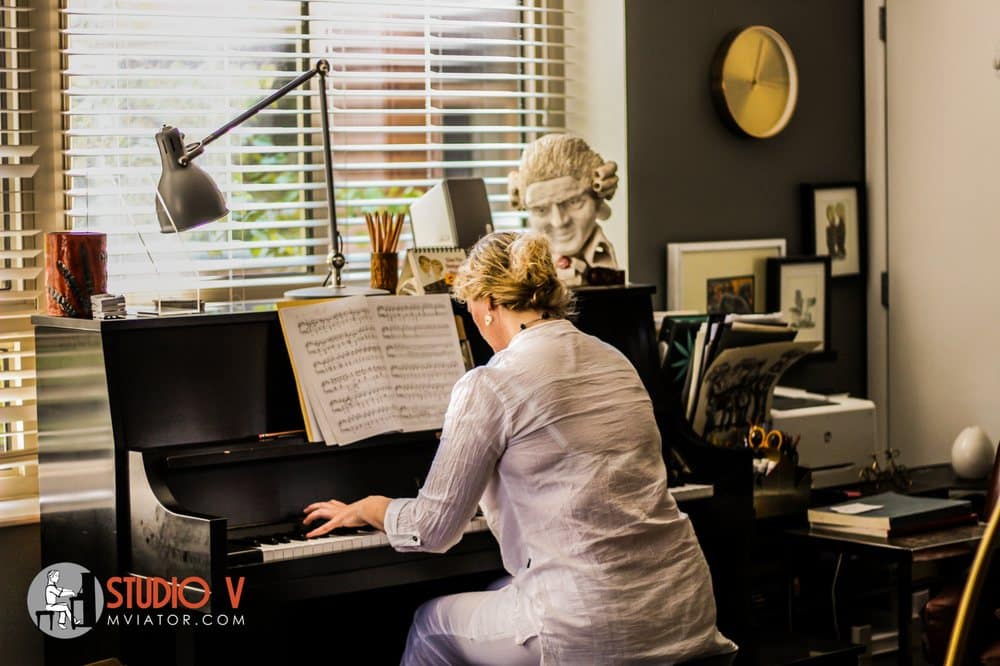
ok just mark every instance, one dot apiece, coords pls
pixel 516 271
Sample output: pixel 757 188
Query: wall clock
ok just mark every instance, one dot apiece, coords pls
pixel 755 83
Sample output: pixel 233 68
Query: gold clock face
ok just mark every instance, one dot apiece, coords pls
pixel 755 81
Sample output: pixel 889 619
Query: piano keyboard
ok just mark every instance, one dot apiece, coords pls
pixel 292 546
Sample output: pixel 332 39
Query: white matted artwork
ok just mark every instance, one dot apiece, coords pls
pixel 693 267
pixel 799 287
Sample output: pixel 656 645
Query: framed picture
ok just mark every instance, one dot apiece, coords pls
pixel 799 287
pixel 724 276
pixel 730 295
pixel 834 225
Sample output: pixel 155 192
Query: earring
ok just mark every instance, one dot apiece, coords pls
pixel 488 319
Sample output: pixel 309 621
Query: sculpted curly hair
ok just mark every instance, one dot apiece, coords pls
pixel 559 155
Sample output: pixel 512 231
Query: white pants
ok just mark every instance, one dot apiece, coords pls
pixel 62 612
pixel 468 628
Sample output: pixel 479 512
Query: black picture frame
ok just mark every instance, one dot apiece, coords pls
pixel 835 224
pixel 810 277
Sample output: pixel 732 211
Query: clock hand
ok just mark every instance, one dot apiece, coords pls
pixel 756 65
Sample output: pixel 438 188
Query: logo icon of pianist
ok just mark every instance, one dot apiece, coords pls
pixel 65 600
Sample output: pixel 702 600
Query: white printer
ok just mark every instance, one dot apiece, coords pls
pixel 838 433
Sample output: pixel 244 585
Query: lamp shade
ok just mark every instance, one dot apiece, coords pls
pixel 186 196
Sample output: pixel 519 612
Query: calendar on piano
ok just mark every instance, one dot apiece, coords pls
pixel 430 270
pixel 367 366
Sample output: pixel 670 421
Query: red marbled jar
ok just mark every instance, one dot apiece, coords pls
pixel 76 267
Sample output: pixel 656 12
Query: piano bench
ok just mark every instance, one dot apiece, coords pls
pixel 40 614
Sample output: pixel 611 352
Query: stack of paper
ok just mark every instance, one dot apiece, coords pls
pixel 107 306
pixel 725 368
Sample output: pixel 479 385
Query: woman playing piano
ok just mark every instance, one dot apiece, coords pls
pixel 555 438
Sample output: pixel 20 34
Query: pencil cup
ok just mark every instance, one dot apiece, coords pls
pixel 385 266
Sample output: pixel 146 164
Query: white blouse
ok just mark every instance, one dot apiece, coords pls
pixel 555 438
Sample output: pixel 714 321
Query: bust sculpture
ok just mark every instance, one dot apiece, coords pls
pixel 565 185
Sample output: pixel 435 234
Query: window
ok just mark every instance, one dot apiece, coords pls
pixel 419 91
pixel 21 267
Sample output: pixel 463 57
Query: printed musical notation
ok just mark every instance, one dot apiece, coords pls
pixel 367 366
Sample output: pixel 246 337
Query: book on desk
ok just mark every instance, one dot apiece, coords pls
pixel 891 514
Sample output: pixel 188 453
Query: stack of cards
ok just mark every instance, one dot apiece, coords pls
pixel 107 306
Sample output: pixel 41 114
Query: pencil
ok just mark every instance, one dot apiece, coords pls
pixel 371 229
pixel 397 230
pixel 384 230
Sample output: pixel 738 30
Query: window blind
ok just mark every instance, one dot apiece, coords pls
pixel 20 268
pixel 418 91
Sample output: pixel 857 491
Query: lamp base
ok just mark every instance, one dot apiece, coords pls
pixel 330 291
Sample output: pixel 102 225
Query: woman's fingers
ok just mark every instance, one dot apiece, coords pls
pixel 335 513
pixel 330 504
pixel 334 519
pixel 323 513
pixel 322 529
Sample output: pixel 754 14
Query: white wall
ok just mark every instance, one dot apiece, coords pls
pixel 944 234
pixel 875 168
pixel 595 107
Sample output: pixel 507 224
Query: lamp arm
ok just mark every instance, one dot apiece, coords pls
pixel 336 258
pixel 195 149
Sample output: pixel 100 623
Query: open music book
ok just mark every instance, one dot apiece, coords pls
pixel 365 366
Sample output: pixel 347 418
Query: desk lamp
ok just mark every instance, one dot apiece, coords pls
pixel 187 197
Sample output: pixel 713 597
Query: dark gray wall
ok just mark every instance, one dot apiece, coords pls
pixel 693 179
pixel 20 549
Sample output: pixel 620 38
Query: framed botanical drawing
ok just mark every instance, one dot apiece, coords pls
pixel 799 287
pixel 834 225
pixel 723 276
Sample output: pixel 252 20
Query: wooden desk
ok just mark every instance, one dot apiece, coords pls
pixel 903 552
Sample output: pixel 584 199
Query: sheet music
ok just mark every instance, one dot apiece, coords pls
pixel 373 365
pixel 423 357
pixel 340 366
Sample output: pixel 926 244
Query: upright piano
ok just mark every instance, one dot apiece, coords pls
pixel 172 447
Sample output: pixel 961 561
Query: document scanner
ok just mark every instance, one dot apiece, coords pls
pixel 838 433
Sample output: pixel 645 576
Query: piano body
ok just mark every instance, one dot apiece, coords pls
pixel 152 465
